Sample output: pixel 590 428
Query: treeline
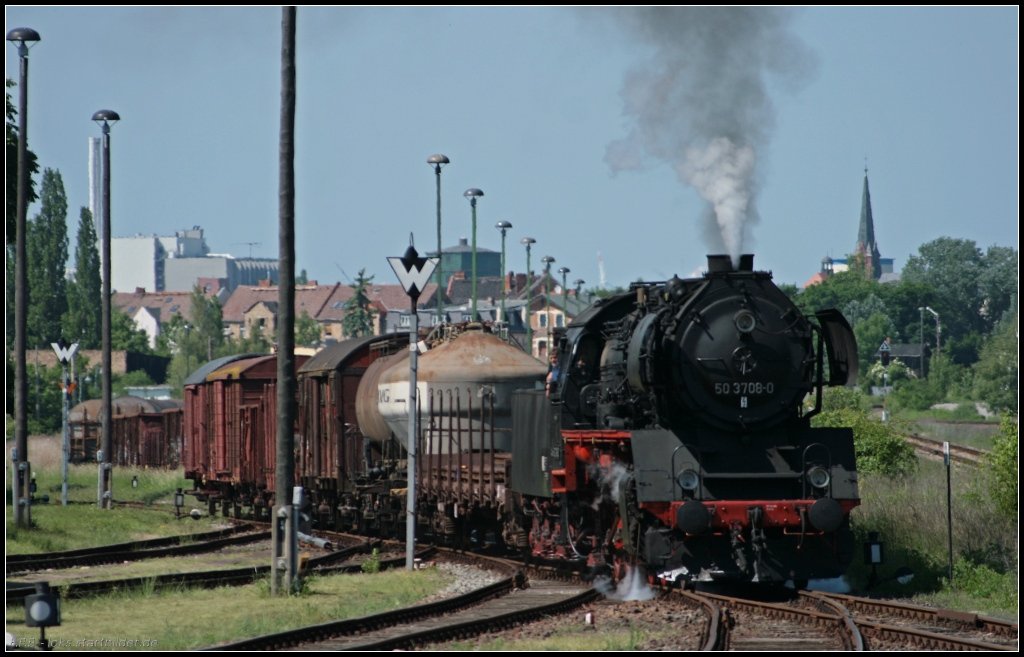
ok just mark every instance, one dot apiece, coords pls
pixel 974 293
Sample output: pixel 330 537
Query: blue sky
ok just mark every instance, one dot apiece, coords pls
pixel 525 102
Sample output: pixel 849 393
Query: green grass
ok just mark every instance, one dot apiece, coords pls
pixel 154 485
pixel 977 435
pixel 189 619
pixel 909 513
pixel 76 526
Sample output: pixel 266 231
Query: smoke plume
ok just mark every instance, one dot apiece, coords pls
pixel 701 103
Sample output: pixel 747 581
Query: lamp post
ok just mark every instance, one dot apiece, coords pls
pixel 503 226
pixel 528 242
pixel 938 329
pixel 104 492
pixel 186 347
pixel 920 368
pixel 579 286
pixel 473 194
pixel 437 161
pixel 565 293
pixel 23 38
pixel 547 260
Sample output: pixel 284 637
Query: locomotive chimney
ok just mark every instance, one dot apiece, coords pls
pixel 722 264
pixel 719 264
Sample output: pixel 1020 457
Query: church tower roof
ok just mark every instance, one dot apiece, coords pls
pixel 866 245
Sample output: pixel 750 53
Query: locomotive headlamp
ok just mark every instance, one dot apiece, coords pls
pixel 688 480
pixel 745 321
pixel 818 476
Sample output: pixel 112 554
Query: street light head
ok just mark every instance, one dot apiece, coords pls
pixel 578 282
pixel 105 117
pixel 24 38
pixel 563 270
pixel 527 241
pixel 503 225
pixel 473 193
pixel 438 160
pixel 547 260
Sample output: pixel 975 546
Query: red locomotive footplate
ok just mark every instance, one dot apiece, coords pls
pixel 725 514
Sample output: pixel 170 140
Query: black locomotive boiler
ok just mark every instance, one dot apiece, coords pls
pixel 678 435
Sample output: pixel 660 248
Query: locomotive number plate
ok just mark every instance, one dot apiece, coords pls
pixel 744 388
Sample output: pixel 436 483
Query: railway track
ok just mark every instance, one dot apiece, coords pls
pixel 331 562
pixel 883 621
pixel 933 449
pixel 858 624
pixel 171 546
pixel 515 599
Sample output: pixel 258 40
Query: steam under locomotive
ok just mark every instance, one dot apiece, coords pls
pixel 675 435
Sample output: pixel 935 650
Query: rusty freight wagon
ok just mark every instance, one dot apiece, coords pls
pixel 334 455
pixel 231 416
pixel 143 432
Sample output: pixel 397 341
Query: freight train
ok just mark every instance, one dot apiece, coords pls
pixel 675 434
pixel 143 432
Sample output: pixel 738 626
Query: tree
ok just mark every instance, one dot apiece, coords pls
pixel 207 325
pixel 358 320
pixel 125 335
pixel 1004 486
pixel 12 202
pixel 995 373
pixel 12 166
pixel 46 240
pixel 870 333
pixel 998 283
pixel 836 291
pixel 307 330
pixel 953 267
pixel 82 323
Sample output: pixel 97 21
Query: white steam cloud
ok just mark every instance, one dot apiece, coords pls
pixel 633 586
pixel 701 103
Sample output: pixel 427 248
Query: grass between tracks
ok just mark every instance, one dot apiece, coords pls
pixel 187 619
pixel 56 528
pixel 81 524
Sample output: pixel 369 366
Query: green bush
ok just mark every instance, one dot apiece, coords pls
pixel 981 581
pixel 1003 466
pixel 844 398
pixel 879 446
pixel 372 563
pixel 915 395
pixel 878 375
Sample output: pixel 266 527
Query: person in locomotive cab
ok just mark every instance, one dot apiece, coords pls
pixel 553 373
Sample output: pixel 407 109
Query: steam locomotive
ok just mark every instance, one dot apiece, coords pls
pixel 674 435
pixel 682 441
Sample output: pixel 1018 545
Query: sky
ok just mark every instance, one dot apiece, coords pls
pixel 617 139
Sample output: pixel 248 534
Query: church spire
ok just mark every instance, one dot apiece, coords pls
pixel 866 246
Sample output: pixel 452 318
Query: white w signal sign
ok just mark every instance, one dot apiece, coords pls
pixel 413 271
pixel 65 354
